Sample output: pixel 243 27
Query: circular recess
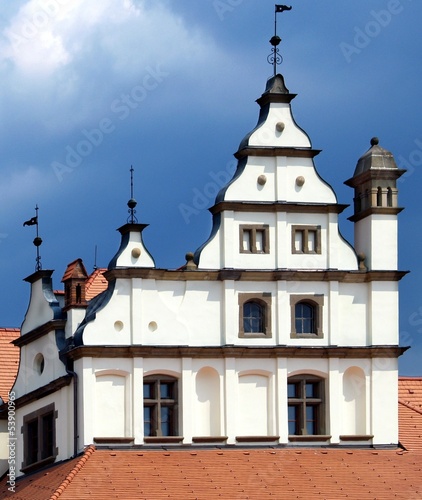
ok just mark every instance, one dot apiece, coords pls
pixel 262 179
pixel 300 181
pixel 39 363
pixel 118 326
pixel 152 326
pixel 280 126
pixel 136 252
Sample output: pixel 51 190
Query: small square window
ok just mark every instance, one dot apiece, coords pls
pixel 254 239
pixel 306 239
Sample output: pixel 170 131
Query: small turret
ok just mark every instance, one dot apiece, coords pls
pixel 376 207
pixel 74 280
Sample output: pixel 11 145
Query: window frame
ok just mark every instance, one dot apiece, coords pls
pixel 300 402
pixel 316 302
pixel 264 300
pixel 305 229
pixel 157 403
pixel 253 229
pixel 44 450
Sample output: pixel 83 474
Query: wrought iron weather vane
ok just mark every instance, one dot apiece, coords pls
pixel 275 58
pixel 132 202
pixel 37 240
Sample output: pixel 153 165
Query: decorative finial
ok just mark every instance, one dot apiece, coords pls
pixel 275 58
pixel 374 141
pixel 33 221
pixel 132 202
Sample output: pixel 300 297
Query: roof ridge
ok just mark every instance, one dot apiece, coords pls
pixel 69 478
pixel 411 407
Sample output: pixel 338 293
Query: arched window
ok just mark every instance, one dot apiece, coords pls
pixel 305 405
pixel 160 406
pixel 253 317
pixel 305 316
pixel 389 197
pixel 379 197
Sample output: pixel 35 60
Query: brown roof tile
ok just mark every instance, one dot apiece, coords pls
pixel 9 360
pixel 95 284
pixel 227 474
pixel 410 412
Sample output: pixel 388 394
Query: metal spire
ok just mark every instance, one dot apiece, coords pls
pixel 132 202
pixel 37 240
pixel 275 58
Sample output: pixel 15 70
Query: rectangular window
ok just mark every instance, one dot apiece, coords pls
pixel 160 406
pixel 39 435
pixel 254 238
pixel 306 239
pixel 305 405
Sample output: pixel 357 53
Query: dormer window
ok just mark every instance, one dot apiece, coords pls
pixel 254 238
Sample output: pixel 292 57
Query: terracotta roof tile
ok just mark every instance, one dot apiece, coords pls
pixel 95 284
pixel 410 412
pixel 75 269
pixel 9 364
pixel 227 474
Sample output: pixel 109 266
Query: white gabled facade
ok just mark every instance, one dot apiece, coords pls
pixel 275 331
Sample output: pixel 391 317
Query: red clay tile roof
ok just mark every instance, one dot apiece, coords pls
pixel 9 360
pixel 75 269
pixel 227 474
pixel 410 412
pixel 95 284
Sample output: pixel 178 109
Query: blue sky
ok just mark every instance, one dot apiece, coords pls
pixel 89 88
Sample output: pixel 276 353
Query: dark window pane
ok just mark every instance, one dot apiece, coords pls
pixel 292 390
pixel 148 391
pixel 32 442
pixel 147 421
pixel 166 418
pixel 293 414
pixel 47 436
pixel 166 390
pixel 311 390
pixel 311 420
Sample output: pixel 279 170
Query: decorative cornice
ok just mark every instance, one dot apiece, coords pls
pixel 375 211
pixel 43 391
pixel 50 326
pixel 255 275
pixel 369 175
pixel 230 351
pixel 276 151
pixel 278 206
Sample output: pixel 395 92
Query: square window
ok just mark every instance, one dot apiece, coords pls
pixel 254 238
pixel 306 239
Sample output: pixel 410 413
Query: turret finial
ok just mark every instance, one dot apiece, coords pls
pixel 132 202
pixel 275 58
pixel 33 221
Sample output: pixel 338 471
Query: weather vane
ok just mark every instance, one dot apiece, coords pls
pixel 37 240
pixel 275 58
pixel 132 202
